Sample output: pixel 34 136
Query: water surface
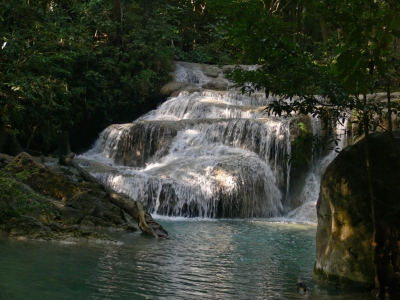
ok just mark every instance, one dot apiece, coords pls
pixel 213 259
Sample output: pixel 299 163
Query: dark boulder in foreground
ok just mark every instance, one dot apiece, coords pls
pixel 344 233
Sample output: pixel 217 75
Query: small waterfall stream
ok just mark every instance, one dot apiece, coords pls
pixel 205 153
pixel 310 193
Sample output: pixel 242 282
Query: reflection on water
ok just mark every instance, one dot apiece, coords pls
pixel 217 259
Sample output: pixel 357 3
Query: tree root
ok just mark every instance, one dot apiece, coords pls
pixel 133 208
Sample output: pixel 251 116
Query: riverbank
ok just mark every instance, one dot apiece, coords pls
pixel 43 200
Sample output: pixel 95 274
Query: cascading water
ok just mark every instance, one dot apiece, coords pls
pixel 201 154
pixel 310 193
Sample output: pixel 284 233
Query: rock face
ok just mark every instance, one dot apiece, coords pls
pixel 344 233
pixel 41 203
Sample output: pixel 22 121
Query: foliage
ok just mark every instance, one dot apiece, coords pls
pixel 361 59
pixel 231 31
pixel 306 145
pixel 63 62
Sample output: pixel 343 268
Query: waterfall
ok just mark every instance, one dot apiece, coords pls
pixel 203 153
pixel 191 75
pixel 310 193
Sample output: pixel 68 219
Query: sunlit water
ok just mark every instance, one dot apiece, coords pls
pixel 218 259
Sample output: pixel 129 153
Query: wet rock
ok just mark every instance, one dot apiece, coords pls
pixel 141 143
pixel 216 84
pixel 228 68
pixel 55 226
pixel 23 225
pixel 191 88
pixel 344 233
pixel 172 87
pixel 211 71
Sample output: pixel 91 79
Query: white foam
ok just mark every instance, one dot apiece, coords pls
pixel 205 151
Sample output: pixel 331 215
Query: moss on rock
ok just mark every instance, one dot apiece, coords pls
pixel 40 203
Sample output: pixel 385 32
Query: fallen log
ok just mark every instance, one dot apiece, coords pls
pixel 133 208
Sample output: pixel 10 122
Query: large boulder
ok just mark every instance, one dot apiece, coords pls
pixel 344 232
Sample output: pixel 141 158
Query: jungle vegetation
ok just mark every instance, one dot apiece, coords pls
pixel 68 68
pixel 74 66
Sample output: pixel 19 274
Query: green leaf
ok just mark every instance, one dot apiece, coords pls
pixel 396 33
pixel 344 60
pixel 350 84
pixel 395 22
pixel 348 58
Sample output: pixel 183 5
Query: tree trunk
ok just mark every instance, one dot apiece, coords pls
pixel 397 45
pixel 2 134
pixel 118 16
pixel 379 276
pixel 8 141
pixel 390 123
pixel 134 208
pixel 28 144
pixel 12 147
pixel 182 32
pixel 65 149
pixel 325 31
pixel 3 126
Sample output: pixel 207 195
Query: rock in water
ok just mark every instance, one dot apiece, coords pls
pixel 301 286
pixel 344 233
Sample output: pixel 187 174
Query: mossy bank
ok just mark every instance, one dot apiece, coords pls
pixel 40 199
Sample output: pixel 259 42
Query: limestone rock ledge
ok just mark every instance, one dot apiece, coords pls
pixel 344 232
pixel 51 202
